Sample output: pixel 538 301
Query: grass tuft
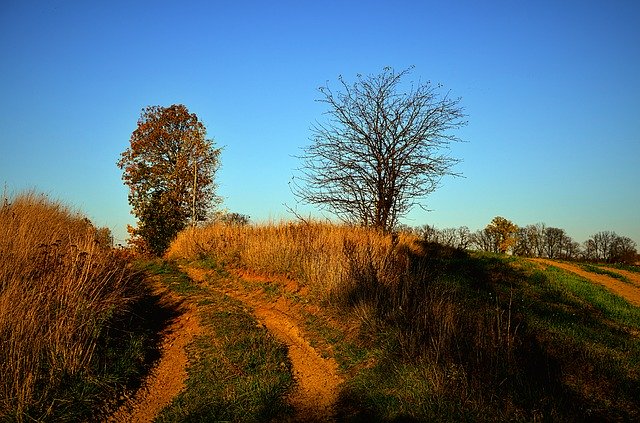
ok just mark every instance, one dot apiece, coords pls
pixel 600 271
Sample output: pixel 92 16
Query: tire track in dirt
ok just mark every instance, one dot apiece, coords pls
pixel 627 291
pixel 317 380
pixel 632 276
pixel 167 379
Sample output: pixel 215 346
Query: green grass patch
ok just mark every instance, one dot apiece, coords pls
pixel 622 266
pixel 397 391
pixel 272 290
pixel 600 271
pixel 170 275
pixel 121 360
pixel 331 341
pixel 590 335
pixel 584 295
pixel 485 337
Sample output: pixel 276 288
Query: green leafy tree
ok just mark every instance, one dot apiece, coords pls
pixel 169 168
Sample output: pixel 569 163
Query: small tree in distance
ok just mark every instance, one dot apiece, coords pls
pixel 502 233
pixel 169 168
pixel 379 153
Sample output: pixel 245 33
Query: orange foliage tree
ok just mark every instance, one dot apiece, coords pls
pixel 503 233
pixel 169 168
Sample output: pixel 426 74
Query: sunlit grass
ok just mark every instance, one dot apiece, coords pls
pixel 64 296
pixel 433 333
pixel 627 267
pixel 313 254
pixel 600 271
pixel 578 289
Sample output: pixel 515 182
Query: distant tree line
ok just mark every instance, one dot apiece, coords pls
pixel 538 240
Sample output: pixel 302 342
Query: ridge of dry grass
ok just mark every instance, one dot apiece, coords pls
pixel 60 287
pixel 314 254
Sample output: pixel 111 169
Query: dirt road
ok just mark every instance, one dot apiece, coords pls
pixel 317 378
pixel 630 292
pixel 168 377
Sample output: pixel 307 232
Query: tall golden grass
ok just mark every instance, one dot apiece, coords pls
pixel 315 254
pixel 387 284
pixel 59 287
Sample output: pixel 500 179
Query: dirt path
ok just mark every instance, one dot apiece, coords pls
pixel 168 377
pixel 632 276
pixel 317 378
pixel 629 292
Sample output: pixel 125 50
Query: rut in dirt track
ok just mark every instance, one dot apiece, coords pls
pixel 317 381
pixel 167 379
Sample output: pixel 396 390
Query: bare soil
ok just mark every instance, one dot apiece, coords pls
pixel 632 276
pixel 630 292
pixel 317 378
pixel 167 379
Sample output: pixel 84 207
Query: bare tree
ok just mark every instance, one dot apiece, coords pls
pixel 602 242
pixel 610 247
pixel 429 233
pixel 484 240
pixel 524 244
pixel 379 153
pixel 536 236
pixel 459 238
pixel 570 249
pixel 623 250
pixel 553 241
pixel 463 237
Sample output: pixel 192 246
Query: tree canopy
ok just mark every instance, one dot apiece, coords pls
pixel 380 151
pixel 502 233
pixel 169 168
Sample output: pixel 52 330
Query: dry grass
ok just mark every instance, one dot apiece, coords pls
pixel 59 287
pixel 468 336
pixel 385 282
pixel 314 254
pixel 394 288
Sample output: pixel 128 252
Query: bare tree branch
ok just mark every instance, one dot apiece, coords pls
pixel 378 154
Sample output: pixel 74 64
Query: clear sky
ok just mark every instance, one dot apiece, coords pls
pixel 551 89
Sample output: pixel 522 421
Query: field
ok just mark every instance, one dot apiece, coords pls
pixel 425 332
pixel 298 321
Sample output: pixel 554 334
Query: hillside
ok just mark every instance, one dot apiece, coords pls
pixel 428 333
pixel 315 322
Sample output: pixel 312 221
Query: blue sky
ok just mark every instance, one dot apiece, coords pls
pixel 551 90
